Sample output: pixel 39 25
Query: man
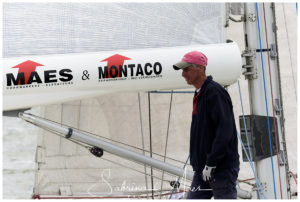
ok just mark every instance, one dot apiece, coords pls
pixel 213 138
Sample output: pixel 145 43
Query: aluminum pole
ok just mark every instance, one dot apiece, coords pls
pixel 255 39
pixel 106 146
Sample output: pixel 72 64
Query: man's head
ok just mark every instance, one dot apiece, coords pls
pixel 193 65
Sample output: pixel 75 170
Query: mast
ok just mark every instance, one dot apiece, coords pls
pixel 264 93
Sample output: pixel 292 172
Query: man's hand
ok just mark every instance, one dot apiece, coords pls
pixel 208 173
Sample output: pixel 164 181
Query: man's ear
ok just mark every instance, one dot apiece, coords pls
pixel 202 68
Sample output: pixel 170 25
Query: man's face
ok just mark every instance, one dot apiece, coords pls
pixel 192 74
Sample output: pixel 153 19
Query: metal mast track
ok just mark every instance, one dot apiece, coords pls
pixel 113 149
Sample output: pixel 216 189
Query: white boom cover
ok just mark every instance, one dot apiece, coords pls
pixel 42 80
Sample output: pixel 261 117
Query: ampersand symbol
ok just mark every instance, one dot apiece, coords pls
pixel 85 75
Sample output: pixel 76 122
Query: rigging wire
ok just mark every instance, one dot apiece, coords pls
pixel 273 109
pixel 266 101
pixel 291 63
pixel 252 167
pixel 142 134
pixel 258 185
pixel 167 136
pixel 150 135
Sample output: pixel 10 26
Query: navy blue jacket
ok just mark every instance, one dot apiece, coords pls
pixel 213 138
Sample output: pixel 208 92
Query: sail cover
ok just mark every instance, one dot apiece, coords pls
pixel 64 168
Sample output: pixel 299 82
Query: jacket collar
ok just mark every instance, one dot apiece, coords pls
pixel 206 82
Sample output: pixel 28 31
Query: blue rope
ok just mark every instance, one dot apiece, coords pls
pixel 250 151
pixel 250 160
pixel 242 105
pixel 270 142
pixel 252 167
pixel 243 146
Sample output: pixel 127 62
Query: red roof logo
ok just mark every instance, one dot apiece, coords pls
pixel 115 60
pixel 27 67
